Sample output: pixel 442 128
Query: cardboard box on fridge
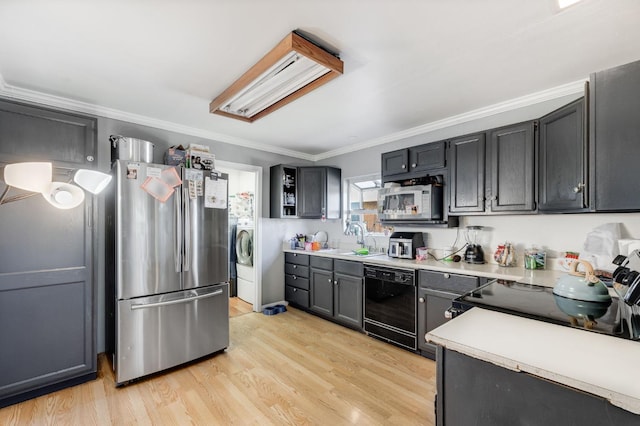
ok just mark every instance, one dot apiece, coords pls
pixel 201 160
pixel 175 156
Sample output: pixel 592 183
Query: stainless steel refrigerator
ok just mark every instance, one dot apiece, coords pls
pixel 167 268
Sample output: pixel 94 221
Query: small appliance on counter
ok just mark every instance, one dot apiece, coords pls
pixel 474 252
pixel 403 245
pixel 626 283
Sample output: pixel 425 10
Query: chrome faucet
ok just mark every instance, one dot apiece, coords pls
pixel 360 236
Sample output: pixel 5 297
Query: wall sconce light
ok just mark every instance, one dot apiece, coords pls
pixel 293 68
pixel 36 177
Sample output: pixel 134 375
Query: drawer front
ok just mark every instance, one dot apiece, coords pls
pixel 322 263
pixel 297 258
pixel 295 281
pixel 349 268
pixel 445 281
pixel 296 296
pixel 297 270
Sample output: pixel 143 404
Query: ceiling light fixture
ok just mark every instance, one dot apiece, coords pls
pixel 36 177
pixel 63 195
pixel 92 180
pixel 290 70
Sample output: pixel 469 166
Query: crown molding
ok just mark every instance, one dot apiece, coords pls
pixel 14 92
pixel 573 88
pixel 28 95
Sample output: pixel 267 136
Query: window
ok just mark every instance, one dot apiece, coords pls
pixel 361 204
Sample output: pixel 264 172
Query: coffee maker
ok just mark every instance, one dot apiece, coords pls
pixel 474 252
pixel 403 245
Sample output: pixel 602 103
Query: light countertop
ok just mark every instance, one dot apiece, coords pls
pixel 488 270
pixel 601 365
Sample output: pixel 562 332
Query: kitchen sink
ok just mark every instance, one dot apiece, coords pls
pixel 351 253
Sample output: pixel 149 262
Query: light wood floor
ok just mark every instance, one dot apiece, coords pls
pixel 238 306
pixel 290 368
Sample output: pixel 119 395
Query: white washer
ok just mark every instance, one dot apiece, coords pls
pixel 244 262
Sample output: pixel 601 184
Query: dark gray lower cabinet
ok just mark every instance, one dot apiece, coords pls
pixel 296 279
pixel 436 290
pixel 47 274
pixel 321 281
pixel 475 392
pixel 348 292
pixel 337 290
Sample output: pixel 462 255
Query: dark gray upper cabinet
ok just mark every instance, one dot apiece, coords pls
pixel 42 134
pixel 511 160
pixel 615 138
pixel 395 162
pixel 493 176
pixel 47 273
pixel 467 166
pixel 305 192
pixel 284 191
pixel 319 192
pixel 562 159
pixel 404 163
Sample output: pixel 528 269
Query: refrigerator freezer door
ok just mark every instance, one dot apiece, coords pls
pixel 158 332
pixel 148 234
pixel 206 232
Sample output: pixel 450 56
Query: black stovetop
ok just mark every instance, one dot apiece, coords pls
pixel 539 303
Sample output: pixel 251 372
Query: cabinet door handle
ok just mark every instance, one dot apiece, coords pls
pixel 414 165
pixel 446 275
pixel 404 166
pixel 295 266
pixel 295 289
pixel 294 277
pixel 421 300
pixel 329 280
pixel 578 188
pixel 335 282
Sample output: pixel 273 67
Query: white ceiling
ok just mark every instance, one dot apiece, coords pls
pixel 408 63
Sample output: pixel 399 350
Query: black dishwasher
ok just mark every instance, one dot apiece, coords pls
pixel 390 305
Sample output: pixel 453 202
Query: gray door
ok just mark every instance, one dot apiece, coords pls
pixel 206 242
pixel 47 324
pixel 148 234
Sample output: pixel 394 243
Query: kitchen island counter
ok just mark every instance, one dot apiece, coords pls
pixel 600 365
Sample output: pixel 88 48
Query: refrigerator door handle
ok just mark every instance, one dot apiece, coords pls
pixel 187 231
pixel 177 233
pixel 175 302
